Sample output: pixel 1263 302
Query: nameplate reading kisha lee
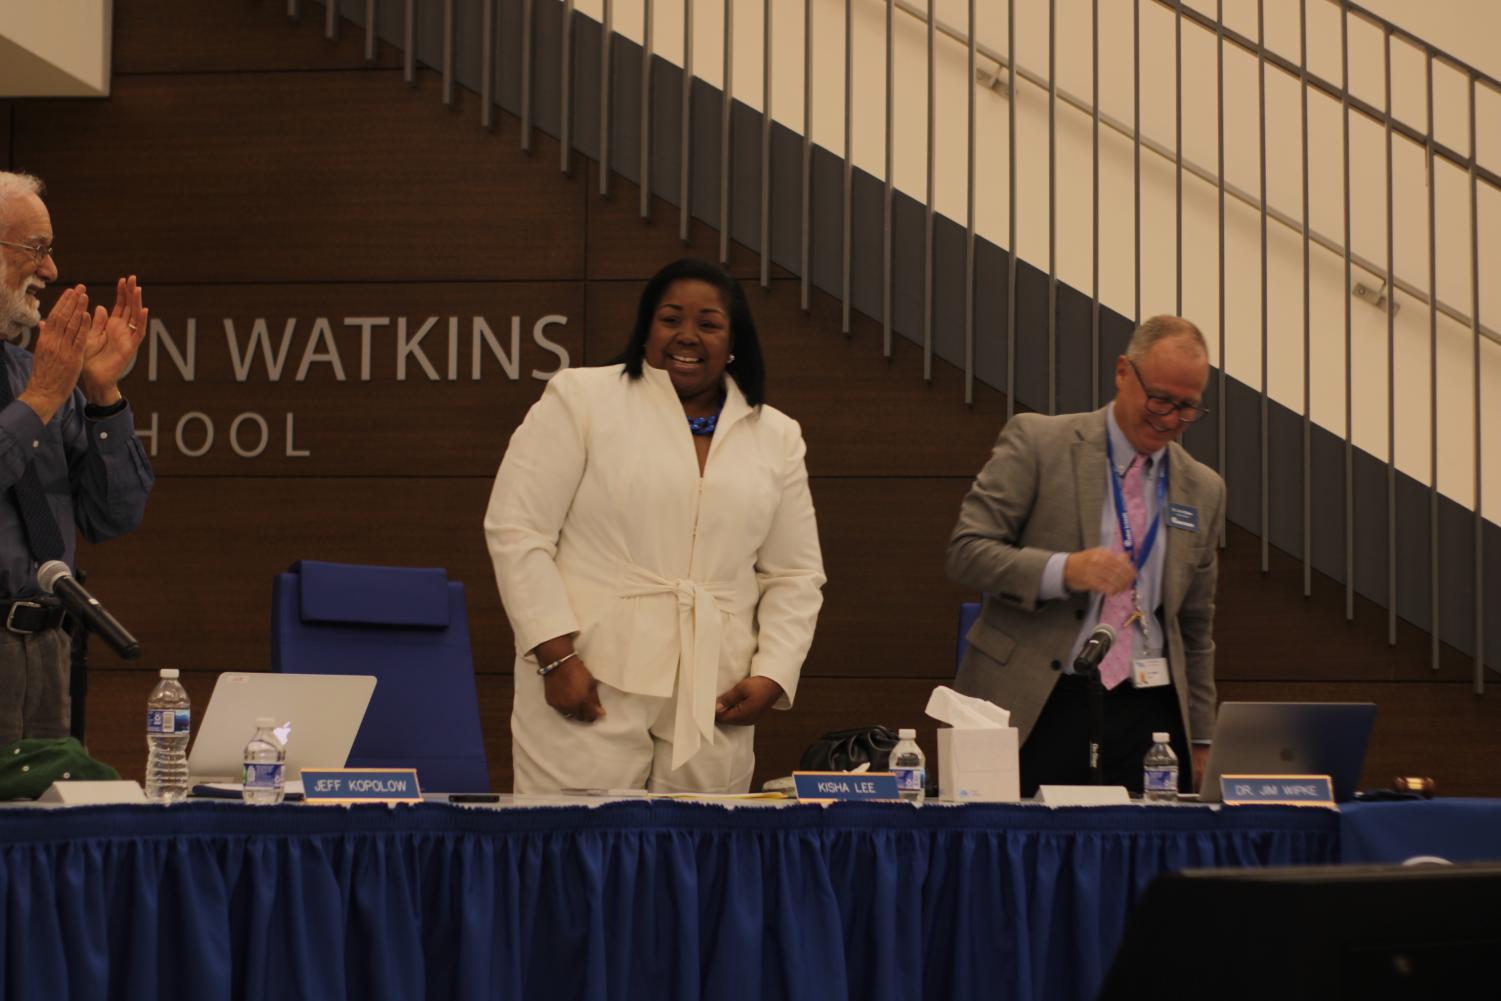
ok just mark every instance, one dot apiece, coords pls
pixel 846 785
pixel 1279 790
pixel 360 785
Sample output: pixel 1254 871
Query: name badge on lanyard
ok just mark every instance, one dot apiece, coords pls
pixel 1149 672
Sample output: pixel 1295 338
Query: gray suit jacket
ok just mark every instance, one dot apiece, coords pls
pixel 1042 493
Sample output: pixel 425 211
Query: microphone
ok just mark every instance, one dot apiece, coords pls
pixel 1095 649
pixel 54 577
pixel 1088 664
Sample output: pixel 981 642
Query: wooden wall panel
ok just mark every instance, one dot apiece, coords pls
pixel 1266 630
pixel 194 582
pixel 369 180
pixel 862 415
pixel 190 36
pixel 400 421
pixel 888 609
pixel 621 246
pixel 877 416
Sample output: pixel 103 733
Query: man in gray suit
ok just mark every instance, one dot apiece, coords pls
pixel 1099 517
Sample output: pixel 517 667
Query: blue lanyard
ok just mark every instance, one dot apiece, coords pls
pixel 1128 538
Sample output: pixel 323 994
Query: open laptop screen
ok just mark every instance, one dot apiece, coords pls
pixel 1290 738
pixel 317 717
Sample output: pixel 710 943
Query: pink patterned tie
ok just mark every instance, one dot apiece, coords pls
pixel 1117 608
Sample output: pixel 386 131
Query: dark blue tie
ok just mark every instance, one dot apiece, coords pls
pixel 45 540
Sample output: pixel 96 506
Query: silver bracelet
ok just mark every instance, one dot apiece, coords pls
pixel 548 669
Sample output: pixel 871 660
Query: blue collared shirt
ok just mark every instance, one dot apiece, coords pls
pixel 1146 635
pixel 94 472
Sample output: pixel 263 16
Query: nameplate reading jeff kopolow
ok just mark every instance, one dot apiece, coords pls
pixel 1281 790
pixel 846 785
pixel 360 785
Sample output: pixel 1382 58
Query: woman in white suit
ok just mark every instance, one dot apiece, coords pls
pixel 657 555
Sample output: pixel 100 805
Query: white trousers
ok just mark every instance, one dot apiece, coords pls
pixel 629 748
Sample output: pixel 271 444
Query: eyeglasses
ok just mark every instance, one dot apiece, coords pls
pixel 39 251
pixel 1161 406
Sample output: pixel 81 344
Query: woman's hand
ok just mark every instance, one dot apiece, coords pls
pixel 744 704
pixel 573 692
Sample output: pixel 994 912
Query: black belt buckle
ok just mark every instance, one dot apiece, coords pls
pixel 10 616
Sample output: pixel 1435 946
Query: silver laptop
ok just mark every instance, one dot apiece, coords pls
pixel 1290 738
pixel 317 717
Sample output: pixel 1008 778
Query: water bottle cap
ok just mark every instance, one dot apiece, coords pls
pixel 265 723
pixel 1159 738
pixel 170 673
pixel 907 734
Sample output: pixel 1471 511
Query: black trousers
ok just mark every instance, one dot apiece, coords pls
pixel 1057 750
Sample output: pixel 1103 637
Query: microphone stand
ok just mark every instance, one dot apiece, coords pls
pixel 78 674
pixel 1088 664
pixel 1096 725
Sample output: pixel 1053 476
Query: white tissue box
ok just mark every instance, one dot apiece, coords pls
pixel 978 765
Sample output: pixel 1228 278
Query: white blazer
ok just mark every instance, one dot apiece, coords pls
pixel 601 527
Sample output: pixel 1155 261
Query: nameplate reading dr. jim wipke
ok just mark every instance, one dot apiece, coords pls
pixel 1281 790
pixel 360 785
pixel 846 785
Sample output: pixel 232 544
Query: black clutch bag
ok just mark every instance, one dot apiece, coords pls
pixel 842 750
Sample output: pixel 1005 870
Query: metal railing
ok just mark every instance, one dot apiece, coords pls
pixel 1006 65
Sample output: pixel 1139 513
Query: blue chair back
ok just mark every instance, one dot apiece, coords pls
pixel 968 613
pixel 407 627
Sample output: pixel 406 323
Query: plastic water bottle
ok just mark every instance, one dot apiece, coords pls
pixel 264 778
pixel 1159 779
pixel 169 721
pixel 910 767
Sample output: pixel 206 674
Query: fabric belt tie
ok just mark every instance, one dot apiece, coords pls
pixel 700 630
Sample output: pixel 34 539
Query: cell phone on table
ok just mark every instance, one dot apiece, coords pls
pixel 474 797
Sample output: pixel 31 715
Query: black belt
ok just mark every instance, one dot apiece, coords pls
pixel 32 615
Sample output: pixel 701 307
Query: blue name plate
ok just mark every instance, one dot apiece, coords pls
pixel 846 785
pixel 360 785
pixel 1285 790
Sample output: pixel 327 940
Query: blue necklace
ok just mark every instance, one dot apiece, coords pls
pixel 703 426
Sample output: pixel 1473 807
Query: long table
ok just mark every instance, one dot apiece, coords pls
pixel 625 900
